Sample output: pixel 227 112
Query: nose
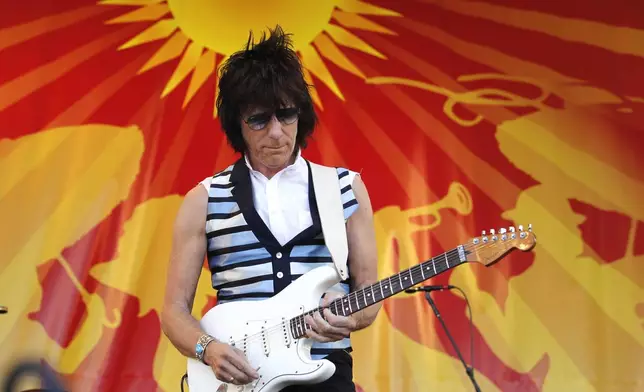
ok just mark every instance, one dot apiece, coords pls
pixel 274 128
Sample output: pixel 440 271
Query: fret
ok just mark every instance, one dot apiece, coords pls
pixel 335 305
pixel 411 276
pixel 300 326
pixel 364 294
pixel 349 302
pixel 434 264
pixel 381 292
pixel 446 260
pixel 373 296
pixel 421 272
pixel 400 279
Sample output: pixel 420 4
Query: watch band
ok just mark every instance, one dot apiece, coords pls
pixel 202 343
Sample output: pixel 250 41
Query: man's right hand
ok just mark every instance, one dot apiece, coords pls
pixel 229 364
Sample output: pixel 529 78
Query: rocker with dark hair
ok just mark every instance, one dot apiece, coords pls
pixel 257 221
pixel 263 79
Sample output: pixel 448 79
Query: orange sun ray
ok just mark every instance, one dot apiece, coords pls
pixel 172 162
pixel 364 8
pixel 394 158
pixel 186 65
pixel 329 50
pixel 151 12
pixel 356 21
pixel 566 86
pixel 313 62
pixel 486 55
pixel 329 152
pixel 314 92
pixel 18 88
pixel 84 107
pixel 204 68
pixel 170 50
pixel 14 35
pixel 346 38
pixel 162 29
pixel 130 2
pixel 618 39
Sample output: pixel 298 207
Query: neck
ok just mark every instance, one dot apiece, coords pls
pixel 360 299
pixel 267 171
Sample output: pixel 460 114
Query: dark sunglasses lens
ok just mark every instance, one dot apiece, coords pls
pixel 258 121
pixel 288 115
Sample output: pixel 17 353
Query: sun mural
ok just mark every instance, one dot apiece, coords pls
pixel 460 115
pixel 203 33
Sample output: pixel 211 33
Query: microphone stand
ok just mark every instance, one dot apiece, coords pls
pixel 468 369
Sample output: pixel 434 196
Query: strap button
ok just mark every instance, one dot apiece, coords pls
pixel 280 275
pixel 278 255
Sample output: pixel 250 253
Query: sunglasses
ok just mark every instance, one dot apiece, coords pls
pixel 285 116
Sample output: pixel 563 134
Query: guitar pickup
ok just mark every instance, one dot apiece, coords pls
pixel 265 341
pixel 287 338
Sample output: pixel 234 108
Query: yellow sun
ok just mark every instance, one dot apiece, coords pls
pixel 202 33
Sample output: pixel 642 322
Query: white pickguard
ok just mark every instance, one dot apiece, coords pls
pixel 282 360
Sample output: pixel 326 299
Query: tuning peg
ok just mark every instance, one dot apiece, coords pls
pixel 511 229
pixel 492 231
pixel 520 227
pixel 483 233
pixel 529 226
pixel 502 230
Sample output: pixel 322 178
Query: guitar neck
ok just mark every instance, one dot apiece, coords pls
pixel 367 296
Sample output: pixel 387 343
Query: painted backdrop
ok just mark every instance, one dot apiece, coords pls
pixel 462 116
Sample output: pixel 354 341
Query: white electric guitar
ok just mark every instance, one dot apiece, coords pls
pixel 271 332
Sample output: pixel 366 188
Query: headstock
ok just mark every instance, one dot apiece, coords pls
pixel 488 249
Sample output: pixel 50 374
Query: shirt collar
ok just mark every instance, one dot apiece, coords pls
pixel 298 164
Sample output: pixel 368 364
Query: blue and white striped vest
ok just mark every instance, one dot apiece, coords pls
pixel 245 259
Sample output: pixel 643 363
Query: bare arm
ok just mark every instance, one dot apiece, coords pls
pixel 363 253
pixel 186 259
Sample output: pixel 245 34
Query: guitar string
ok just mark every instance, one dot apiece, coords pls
pixel 300 318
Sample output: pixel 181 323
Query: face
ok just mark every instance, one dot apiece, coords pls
pixel 270 137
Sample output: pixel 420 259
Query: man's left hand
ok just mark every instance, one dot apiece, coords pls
pixel 332 327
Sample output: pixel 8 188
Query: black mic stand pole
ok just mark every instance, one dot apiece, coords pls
pixel 468 369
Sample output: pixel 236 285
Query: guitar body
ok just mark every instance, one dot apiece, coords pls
pixel 261 329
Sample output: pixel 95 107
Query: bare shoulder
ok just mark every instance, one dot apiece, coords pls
pixel 192 213
pixel 362 196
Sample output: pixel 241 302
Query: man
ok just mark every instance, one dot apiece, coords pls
pixel 260 212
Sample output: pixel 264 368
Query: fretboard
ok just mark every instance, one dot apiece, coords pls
pixel 360 299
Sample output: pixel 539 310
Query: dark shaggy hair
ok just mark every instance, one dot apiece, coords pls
pixel 267 75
